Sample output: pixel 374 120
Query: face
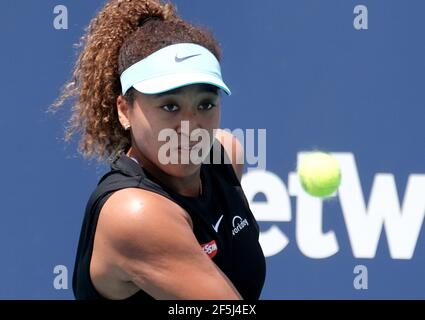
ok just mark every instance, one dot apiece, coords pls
pixel 182 110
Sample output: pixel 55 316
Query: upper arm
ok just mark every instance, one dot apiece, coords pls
pixel 151 242
pixel 234 149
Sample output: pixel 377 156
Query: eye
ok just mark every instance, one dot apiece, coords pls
pixel 206 106
pixel 170 107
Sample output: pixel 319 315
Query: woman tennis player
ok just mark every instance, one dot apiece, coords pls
pixel 152 229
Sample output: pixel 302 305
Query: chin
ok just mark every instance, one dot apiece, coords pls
pixel 179 164
pixel 180 170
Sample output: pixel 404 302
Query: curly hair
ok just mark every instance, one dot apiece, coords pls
pixel 121 34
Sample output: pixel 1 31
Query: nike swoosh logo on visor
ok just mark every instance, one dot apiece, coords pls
pixel 180 59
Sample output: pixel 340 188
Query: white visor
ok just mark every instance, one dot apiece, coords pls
pixel 173 67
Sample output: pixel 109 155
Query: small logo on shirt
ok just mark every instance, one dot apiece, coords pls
pixel 210 248
pixel 238 224
pixel 217 224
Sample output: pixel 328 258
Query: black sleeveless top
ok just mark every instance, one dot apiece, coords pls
pixel 222 223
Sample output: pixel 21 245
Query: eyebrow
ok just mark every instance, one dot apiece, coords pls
pixel 204 88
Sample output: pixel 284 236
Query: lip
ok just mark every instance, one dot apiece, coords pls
pixel 189 147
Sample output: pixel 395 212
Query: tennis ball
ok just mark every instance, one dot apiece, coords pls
pixel 319 173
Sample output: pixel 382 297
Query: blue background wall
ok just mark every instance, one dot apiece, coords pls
pixel 297 68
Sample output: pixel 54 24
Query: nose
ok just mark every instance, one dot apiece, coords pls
pixel 188 121
pixel 187 128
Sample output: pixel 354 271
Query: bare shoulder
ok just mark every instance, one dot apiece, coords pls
pixel 145 241
pixel 132 213
pixel 131 219
pixel 234 150
pixel 130 207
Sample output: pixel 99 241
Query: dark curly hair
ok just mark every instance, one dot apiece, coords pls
pixel 121 34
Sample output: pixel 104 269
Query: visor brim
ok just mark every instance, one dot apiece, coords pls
pixel 169 82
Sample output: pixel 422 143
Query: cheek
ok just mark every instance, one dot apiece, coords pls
pixel 211 124
pixel 212 120
pixel 146 137
pixel 144 134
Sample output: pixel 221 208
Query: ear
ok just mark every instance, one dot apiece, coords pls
pixel 123 108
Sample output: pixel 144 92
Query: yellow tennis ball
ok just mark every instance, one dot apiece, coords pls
pixel 319 173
